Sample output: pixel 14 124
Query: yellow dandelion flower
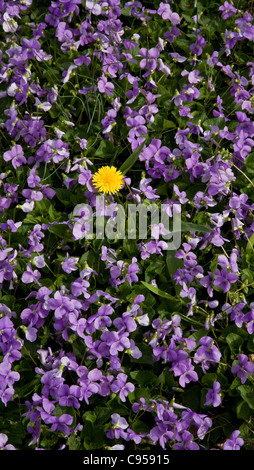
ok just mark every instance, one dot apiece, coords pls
pixel 108 179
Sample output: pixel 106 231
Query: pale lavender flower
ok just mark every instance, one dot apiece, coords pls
pixel 227 9
pixel 69 396
pixel 15 155
pixel 133 269
pixel 3 440
pixel 213 396
pixel 119 425
pixel 69 264
pixel 244 368
pixel 7 376
pixel 104 86
pixel 207 354
pixel 224 279
pixel 121 385
pixel 30 276
pixel 234 442
pixel 166 13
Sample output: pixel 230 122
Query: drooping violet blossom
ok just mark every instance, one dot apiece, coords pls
pixel 197 47
pixel 244 368
pixel 213 396
pixel 234 442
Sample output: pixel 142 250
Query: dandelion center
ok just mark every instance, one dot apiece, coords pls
pixel 108 180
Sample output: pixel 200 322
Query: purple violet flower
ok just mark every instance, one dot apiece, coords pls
pixel 227 9
pixel 3 440
pixel 224 279
pixel 121 385
pixel 213 396
pixel 244 368
pixel 15 155
pixel 69 265
pixel 30 276
pixel 234 442
pixel 207 354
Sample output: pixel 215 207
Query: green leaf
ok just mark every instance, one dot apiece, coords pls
pixel 145 378
pixel 250 344
pixel 168 124
pixel 125 11
pixel 8 300
pixel 157 291
pixel 147 355
pixel 129 162
pixel 220 122
pixel 162 190
pixel 234 341
pixel 30 219
pixel 188 18
pixel 247 275
pixel 235 383
pixel 168 307
pixel 250 244
pixel 186 5
pixel 167 379
pixel 247 394
pixel 139 427
pixel 190 227
pixel 28 388
pixel 138 393
pixel 243 411
pixel 154 268
pixel 102 414
pixel 130 246
pixel 105 149
pixel 213 265
pixel 183 43
pixel 63 195
pixel 55 111
pixel 173 263
pixel 74 442
pixel 208 379
pixel 118 407
pixel 93 435
pixel 62 231
pixel 89 416
pixel 190 398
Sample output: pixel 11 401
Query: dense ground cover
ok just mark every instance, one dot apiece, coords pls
pixel 121 343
